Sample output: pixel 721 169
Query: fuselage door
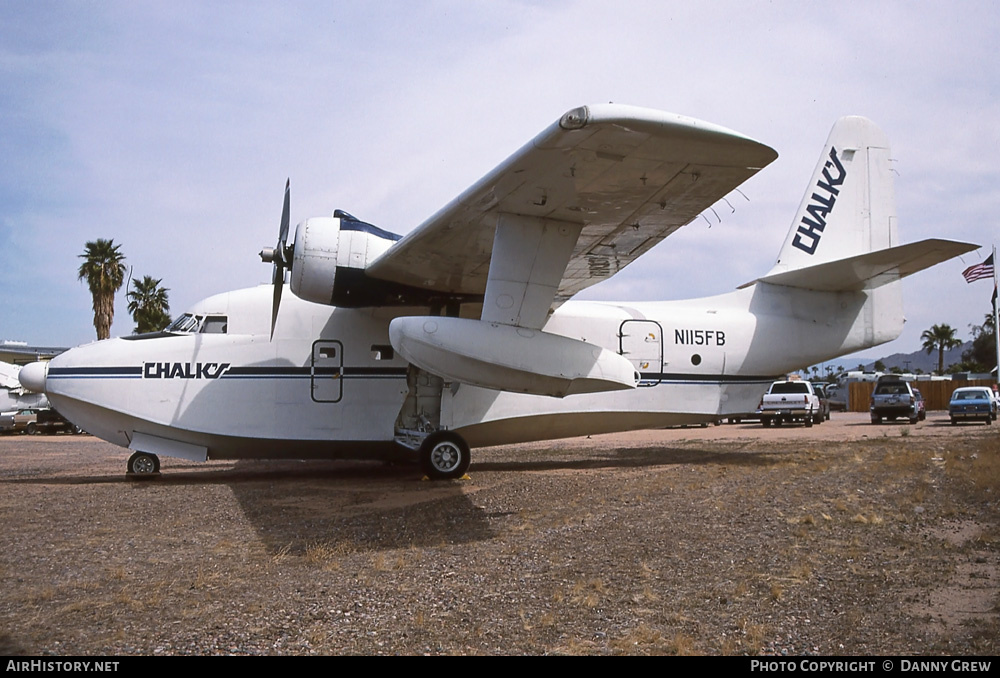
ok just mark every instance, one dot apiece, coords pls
pixel 641 342
pixel 326 370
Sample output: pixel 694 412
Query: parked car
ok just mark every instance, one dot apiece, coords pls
pixel 921 405
pixel 972 403
pixel 837 395
pixel 33 421
pixel 824 400
pixel 19 421
pixel 893 398
pixel 50 421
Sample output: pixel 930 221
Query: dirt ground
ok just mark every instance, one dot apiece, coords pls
pixel 844 538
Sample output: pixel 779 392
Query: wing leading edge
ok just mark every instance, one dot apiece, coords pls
pixel 622 177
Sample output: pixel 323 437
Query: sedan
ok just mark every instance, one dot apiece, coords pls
pixel 972 402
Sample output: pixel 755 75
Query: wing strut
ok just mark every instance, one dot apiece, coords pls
pixel 528 262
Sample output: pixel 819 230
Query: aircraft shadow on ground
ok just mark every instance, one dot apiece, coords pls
pixel 343 507
pixel 336 506
pixel 340 507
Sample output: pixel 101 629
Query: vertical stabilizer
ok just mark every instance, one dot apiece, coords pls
pixel 849 207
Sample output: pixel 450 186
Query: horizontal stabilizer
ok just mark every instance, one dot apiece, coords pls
pixel 873 269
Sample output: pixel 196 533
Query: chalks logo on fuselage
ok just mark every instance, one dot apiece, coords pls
pixel 808 234
pixel 184 370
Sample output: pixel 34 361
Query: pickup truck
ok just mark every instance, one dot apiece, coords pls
pixel 792 400
pixel 893 398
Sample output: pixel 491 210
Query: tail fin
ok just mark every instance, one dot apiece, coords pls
pixel 844 235
pixel 843 241
pixel 849 207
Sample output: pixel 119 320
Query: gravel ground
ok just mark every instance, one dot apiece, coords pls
pixel 844 538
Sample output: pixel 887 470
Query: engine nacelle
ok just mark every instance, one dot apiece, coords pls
pixel 314 263
pixel 324 245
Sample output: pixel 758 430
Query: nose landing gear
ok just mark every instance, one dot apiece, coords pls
pixel 143 465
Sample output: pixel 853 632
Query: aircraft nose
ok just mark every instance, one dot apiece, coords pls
pixel 32 376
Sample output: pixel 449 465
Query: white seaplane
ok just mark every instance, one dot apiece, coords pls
pixel 462 333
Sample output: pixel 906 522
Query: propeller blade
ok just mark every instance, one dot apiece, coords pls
pixel 280 258
pixel 279 284
pixel 283 230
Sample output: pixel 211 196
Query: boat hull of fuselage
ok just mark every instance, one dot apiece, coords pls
pixel 119 429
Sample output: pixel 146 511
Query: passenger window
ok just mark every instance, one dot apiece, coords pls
pixel 327 351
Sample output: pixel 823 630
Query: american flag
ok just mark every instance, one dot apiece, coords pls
pixel 979 271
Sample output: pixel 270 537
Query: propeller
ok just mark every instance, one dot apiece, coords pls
pixel 281 257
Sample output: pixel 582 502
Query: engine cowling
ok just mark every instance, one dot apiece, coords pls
pixel 330 255
pixel 314 262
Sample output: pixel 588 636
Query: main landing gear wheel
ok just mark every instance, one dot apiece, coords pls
pixel 143 464
pixel 444 456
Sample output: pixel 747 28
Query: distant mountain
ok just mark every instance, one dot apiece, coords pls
pixel 908 362
pixel 921 360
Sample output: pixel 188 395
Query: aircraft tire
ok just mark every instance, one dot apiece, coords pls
pixel 444 456
pixel 143 464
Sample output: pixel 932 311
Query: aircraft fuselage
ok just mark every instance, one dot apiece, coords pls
pixel 330 385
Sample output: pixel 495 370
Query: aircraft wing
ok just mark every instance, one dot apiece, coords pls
pixel 622 177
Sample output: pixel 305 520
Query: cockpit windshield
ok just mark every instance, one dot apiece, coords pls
pixel 195 324
pixel 184 323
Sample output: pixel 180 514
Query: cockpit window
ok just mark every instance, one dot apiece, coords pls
pixel 214 324
pixel 185 323
pixel 193 324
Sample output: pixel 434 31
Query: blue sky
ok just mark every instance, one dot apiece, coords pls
pixel 171 127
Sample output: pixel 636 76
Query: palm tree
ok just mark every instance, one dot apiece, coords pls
pixel 942 338
pixel 147 302
pixel 103 268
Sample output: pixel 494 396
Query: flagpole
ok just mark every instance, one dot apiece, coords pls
pixel 996 306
